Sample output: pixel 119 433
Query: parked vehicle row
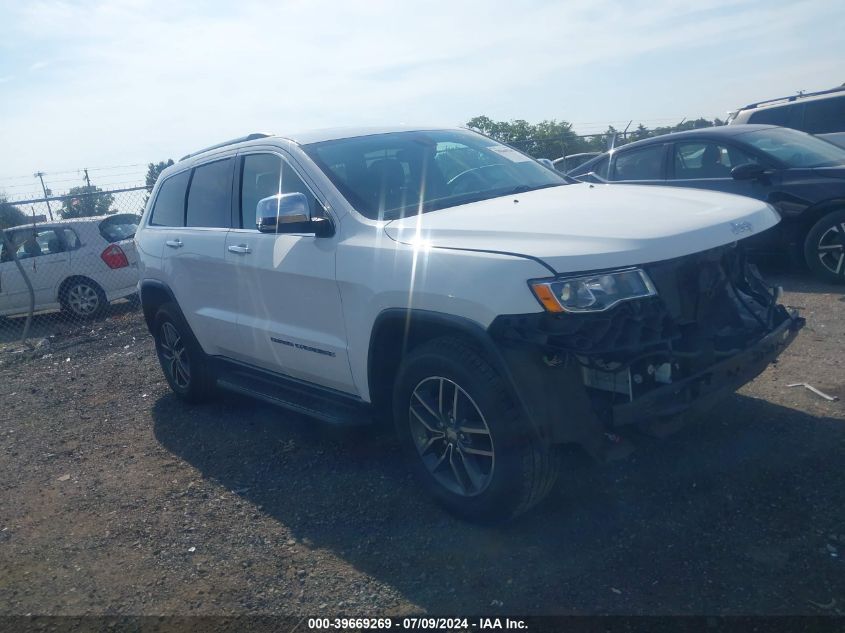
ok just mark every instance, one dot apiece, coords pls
pixel 492 308
pixel 76 265
pixel 802 176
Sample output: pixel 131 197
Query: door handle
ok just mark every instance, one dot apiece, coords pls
pixel 177 243
pixel 241 249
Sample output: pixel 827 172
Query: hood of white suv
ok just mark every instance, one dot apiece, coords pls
pixel 588 227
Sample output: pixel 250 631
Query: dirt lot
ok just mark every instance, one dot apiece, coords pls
pixel 117 498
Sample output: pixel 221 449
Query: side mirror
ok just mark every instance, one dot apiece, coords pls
pixel 748 171
pixel 290 213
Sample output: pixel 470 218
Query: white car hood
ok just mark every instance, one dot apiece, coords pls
pixel 587 227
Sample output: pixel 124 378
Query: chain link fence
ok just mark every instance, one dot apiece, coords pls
pixel 67 263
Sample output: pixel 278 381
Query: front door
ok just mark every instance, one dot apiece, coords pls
pixel 290 315
pixel 44 257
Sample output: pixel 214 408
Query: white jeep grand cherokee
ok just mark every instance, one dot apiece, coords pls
pixel 494 309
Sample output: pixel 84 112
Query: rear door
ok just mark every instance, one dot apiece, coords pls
pixel 640 166
pixel 194 262
pixel 291 318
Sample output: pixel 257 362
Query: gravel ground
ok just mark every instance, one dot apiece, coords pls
pixel 117 498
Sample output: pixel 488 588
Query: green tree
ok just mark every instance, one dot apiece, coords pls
pixel 10 215
pixel 86 201
pixel 153 172
pixel 546 139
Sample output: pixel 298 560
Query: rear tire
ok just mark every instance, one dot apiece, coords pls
pixel 466 439
pixel 82 298
pixel 184 364
pixel 824 248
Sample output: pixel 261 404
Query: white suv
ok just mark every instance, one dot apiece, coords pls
pixel 494 309
pixel 77 265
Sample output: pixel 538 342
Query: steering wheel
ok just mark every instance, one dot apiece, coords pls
pixel 473 172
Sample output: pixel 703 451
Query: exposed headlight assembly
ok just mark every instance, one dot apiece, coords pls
pixel 592 293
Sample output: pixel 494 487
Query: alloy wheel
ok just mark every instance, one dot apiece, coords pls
pixel 174 356
pixel 451 436
pixel 83 299
pixel 831 249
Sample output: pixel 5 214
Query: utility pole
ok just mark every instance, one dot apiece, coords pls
pixel 87 179
pixel 40 176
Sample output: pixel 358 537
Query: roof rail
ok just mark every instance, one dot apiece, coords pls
pixel 240 139
pixel 793 97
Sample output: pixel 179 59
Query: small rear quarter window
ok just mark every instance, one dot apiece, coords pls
pixel 121 226
pixel 169 208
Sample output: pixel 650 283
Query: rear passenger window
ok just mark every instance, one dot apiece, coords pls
pixel 169 209
pixel 640 164
pixel 770 116
pixel 71 239
pixel 824 117
pixel 266 175
pixel 210 195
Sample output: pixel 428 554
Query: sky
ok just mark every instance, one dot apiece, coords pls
pixel 114 85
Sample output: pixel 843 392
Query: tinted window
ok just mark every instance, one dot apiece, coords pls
pixel 120 226
pixel 265 175
pixel 405 173
pixel 169 209
pixel 770 116
pixel 640 164
pixel 700 159
pixel 210 195
pixel 824 117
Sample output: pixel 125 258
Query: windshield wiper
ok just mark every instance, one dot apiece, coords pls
pixel 524 188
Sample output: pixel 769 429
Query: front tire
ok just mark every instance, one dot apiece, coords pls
pixel 824 248
pixel 468 442
pixel 184 364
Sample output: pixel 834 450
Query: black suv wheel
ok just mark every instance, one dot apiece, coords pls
pixel 468 442
pixel 824 248
pixel 183 362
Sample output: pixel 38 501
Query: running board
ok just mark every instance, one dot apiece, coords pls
pixel 295 396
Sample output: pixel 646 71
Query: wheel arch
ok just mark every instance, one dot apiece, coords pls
pixel 154 294
pixel 396 331
pixel 816 212
pixel 67 281
pixel 566 417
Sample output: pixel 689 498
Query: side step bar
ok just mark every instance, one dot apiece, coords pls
pixel 287 393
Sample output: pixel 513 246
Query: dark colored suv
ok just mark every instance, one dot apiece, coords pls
pixel 802 176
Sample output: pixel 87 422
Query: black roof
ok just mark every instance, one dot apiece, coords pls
pixel 719 131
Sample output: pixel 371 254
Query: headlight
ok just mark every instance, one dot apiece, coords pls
pixel 592 293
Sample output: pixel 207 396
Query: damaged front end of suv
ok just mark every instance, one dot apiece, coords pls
pixel 643 347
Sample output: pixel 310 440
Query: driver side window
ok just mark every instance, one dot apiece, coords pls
pixel 701 159
pixel 265 175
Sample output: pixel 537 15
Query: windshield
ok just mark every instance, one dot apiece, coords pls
pixel 387 176
pixel 796 149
